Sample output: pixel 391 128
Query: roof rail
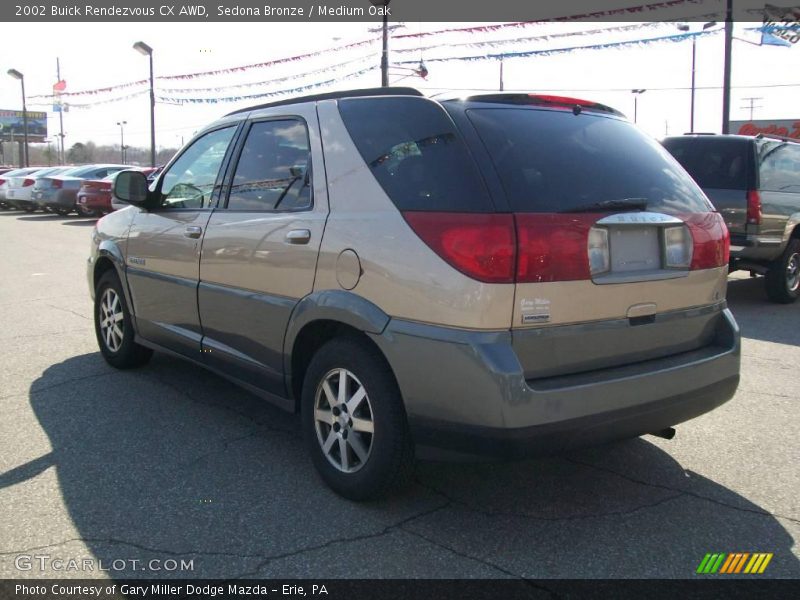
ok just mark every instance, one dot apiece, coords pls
pixel 775 136
pixel 381 91
pixel 699 133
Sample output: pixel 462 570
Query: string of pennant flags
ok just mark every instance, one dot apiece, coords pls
pixel 60 94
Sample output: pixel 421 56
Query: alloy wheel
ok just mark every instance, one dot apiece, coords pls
pixel 112 322
pixel 343 420
pixel 793 272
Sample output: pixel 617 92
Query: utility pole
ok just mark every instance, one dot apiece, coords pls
pixel 501 74
pixel 726 75
pixel 61 158
pixel 752 105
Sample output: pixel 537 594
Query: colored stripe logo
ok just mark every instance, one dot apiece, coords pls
pixel 734 562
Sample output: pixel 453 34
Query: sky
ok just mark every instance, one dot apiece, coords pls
pixel 100 54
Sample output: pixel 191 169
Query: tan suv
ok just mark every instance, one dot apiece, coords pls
pixel 495 275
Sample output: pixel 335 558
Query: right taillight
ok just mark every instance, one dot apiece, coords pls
pixel 711 240
pixel 58 183
pixel 481 246
pixel 753 207
pixel 28 182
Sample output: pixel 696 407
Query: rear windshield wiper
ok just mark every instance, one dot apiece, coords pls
pixel 621 204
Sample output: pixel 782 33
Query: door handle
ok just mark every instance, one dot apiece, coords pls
pixel 193 231
pixel 298 236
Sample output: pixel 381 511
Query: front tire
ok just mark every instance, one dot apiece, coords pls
pixel 783 278
pixel 113 325
pixel 354 422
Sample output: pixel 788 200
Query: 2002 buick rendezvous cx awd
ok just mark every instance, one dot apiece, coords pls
pixel 499 274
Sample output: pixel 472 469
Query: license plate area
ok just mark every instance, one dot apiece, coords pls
pixel 636 249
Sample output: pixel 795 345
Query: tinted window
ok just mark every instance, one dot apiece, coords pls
pixel 713 163
pixel 779 167
pixel 554 161
pixel 190 181
pixel 413 150
pixel 274 169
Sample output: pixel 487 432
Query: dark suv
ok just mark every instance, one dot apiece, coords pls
pixel 754 182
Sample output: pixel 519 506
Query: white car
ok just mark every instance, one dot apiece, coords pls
pixel 20 186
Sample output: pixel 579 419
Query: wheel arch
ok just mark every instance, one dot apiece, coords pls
pixel 319 318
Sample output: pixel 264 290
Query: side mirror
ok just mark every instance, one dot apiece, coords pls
pixel 131 187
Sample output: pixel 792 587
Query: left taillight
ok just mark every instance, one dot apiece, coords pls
pixel 481 246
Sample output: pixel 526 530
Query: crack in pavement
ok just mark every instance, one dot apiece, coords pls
pixel 32 391
pixel 684 492
pixel 38 335
pixel 344 540
pixel 520 515
pixel 482 561
pixel 69 311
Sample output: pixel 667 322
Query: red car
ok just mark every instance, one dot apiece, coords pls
pixel 94 196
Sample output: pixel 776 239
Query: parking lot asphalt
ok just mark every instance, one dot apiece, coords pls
pixel 172 462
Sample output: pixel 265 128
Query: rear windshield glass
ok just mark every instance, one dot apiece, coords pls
pixel 413 150
pixel 556 161
pixel 714 164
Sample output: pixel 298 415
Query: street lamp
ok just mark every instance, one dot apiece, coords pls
pixel 636 93
pixel 385 51
pixel 685 27
pixel 146 50
pixel 122 140
pixel 17 75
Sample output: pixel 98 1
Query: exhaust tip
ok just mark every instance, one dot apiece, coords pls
pixel 667 433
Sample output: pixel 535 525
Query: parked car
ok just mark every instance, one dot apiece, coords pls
pixel 501 274
pixel 754 182
pixel 20 188
pixel 58 193
pixel 4 181
pixel 94 196
pixel 151 173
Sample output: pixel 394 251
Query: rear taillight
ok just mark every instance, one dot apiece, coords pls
pixel 753 207
pixel 481 246
pixel 553 247
pixel 547 247
pixel 28 182
pixel 711 240
pixel 2 181
pixel 58 183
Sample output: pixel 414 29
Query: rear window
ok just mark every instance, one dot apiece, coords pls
pixel 414 151
pixel 713 163
pixel 556 161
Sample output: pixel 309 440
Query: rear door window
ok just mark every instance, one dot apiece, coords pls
pixel 720 164
pixel 274 169
pixel 415 152
pixel 555 161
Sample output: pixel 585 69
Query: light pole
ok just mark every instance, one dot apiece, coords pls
pixel 146 50
pixel 17 75
pixel 636 93
pixel 685 27
pixel 385 51
pixel 122 140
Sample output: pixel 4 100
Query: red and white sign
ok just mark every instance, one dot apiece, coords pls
pixel 782 127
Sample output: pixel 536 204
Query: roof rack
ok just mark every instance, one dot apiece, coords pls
pixel 699 133
pixel 775 136
pixel 381 91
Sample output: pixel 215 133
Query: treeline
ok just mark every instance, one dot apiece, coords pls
pixel 86 153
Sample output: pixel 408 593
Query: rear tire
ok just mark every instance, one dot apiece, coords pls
pixel 783 278
pixel 29 208
pixel 63 211
pixel 358 438
pixel 113 325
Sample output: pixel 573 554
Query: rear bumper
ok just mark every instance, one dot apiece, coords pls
pixel 465 392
